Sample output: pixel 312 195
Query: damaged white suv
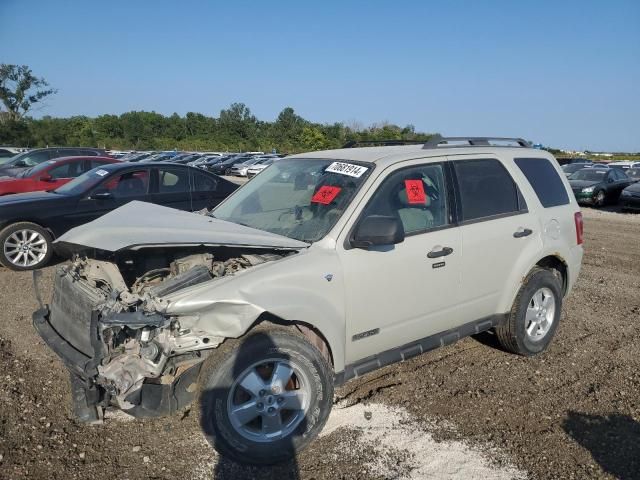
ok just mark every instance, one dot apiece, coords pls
pixel 324 267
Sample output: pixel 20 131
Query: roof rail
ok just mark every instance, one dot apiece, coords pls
pixel 438 141
pixel 355 143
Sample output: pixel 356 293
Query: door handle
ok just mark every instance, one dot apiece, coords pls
pixel 522 232
pixel 443 252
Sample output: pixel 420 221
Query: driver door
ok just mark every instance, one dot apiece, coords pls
pixel 396 294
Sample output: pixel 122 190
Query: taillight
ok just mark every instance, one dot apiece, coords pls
pixel 579 228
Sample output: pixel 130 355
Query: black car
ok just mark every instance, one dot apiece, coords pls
pixel 30 221
pixel 630 196
pixel 597 186
pixel 14 165
pixel 224 168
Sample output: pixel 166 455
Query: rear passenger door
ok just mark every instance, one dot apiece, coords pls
pixel 173 188
pixel 496 229
pixel 207 191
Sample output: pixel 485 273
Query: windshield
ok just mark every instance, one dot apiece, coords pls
pixel 589 174
pixel 83 183
pixel 297 198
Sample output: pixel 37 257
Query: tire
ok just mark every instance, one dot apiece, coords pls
pixel 519 334
pixel 36 241
pixel 227 172
pixel 599 199
pixel 252 362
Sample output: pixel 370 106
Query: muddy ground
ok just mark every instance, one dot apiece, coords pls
pixel 573 412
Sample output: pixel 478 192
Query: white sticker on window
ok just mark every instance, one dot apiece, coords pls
pixel 347 169
pixel 102 173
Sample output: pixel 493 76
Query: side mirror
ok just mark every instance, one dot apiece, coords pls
pixel 45 178
pixel 378 230
pixel 21 163
pixel 102 195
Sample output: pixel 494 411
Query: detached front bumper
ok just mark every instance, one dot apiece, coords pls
pixel 86 396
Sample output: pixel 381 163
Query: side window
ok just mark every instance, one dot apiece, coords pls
pixel 173 180
pixel 486 189
pixel 66 170
pixel 544 180
pixel 204 183
pixel 129 184
pixel 35 158
pixel 416 195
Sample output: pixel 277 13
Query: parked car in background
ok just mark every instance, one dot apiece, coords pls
pixel 255 169
pixel 598 186
pixel 22 161
pixel 571 168
pixel 599 165
pixel 630 196
pixel 51 174
pixel 160 157
pixel 634 173
pixel 622 165
pixel 137 156
pixel 8 152
pixel 325 267
pixel 30 221
pixel 240 169
pixel 568 161
pixel 224 168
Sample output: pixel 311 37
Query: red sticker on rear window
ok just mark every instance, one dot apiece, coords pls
pixel 325 194
pixel 415 191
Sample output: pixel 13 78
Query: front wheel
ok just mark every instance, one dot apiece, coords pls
pixel 25 246
pixel 599 198
pixel 535 314
pixel 266 398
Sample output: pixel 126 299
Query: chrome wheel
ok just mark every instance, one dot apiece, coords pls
pixel 268 400
pixel 540 314
pixel 25 248
pixel 600 198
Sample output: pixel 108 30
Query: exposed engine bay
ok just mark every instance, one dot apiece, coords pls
pixel 114 311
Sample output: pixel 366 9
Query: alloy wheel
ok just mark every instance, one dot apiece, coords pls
pixel 25 248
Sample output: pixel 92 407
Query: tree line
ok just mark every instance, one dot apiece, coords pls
pixel 235 129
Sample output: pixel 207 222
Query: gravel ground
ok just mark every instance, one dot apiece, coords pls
pixel 573 412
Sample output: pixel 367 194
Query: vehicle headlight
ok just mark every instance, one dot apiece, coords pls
pixel 587 190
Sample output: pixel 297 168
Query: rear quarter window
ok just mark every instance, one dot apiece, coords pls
pixel 544 180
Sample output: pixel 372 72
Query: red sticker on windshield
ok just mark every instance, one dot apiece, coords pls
pixel 415 191
pixel 325 194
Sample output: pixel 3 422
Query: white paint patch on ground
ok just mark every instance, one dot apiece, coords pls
pixel 393 429
pixel 392 434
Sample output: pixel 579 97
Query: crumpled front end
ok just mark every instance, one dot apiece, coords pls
pixel 109 323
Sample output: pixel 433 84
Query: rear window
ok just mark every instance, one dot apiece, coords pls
pixel 545 181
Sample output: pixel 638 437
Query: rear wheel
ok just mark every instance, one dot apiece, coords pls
pixel 25 246
pixel 265 398
pixel 535 314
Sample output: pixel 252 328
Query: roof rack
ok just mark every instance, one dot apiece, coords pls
pixel 355 143
pixel 449 142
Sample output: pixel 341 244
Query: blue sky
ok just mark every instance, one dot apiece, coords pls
pixel 564 73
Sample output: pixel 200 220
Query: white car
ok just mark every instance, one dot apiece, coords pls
pixel 324 268
pixel 255 169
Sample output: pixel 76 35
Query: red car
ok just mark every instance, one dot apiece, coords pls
pixel 51 174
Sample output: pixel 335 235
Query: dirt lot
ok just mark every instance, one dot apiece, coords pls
pixel 465 411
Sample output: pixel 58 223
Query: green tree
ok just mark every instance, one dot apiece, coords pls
pixel 20 90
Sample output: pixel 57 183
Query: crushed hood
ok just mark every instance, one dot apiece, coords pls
pixel 140 224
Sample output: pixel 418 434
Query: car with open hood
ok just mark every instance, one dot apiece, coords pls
pixel 598 186
pixel 323 268
pixel 29 222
